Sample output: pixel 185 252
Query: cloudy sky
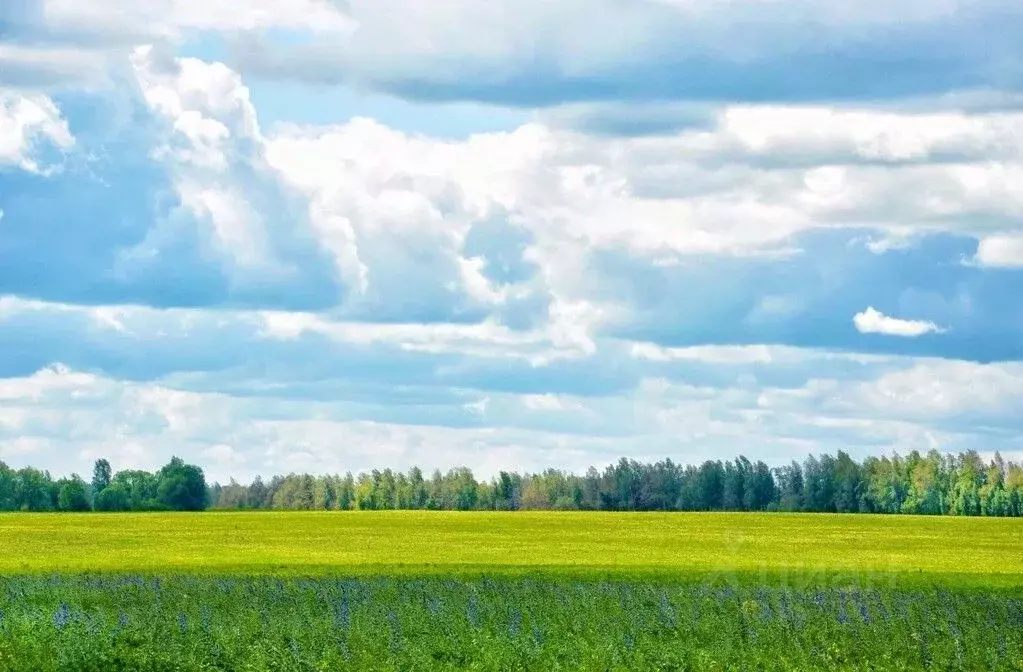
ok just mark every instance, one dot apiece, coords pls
pixel 329 235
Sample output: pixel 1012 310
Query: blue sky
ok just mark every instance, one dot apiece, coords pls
pixel 335 235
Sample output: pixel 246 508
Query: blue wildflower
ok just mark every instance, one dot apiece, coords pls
pixel 343 617
pixel 62 616
pixel 515 624
pixel 538 635
pixel 396 638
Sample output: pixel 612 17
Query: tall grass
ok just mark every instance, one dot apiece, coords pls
pixel 498 623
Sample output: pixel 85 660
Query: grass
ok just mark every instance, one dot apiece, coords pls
pixel 58 624
pixel 312 591
pixel 966 551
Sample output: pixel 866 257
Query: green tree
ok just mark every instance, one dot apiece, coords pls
pixel 760 492
pixel 8 489
pixel 966 484
pixel 734 483
pixel 709 488
pixel 994 499
pixel 819 484
pixel 140 487
pixel 346 493
pixel 365 493
pixel 73 495
pixel 34 490
pixel 114 497
pixel 101 475
pixel 790 487
pixel 182 487
pixel 848 487
pixel 926 491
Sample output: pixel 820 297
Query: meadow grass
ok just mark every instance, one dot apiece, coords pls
pixel 109 623
pixel 975 551
pixel 317 591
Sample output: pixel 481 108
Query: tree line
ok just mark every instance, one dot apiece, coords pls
pixel 935 484
pixel 175 487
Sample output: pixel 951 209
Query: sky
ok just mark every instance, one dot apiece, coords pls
pixel 271 236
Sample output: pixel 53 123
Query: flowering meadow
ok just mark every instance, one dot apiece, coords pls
pixel 102 623
pixel 255 591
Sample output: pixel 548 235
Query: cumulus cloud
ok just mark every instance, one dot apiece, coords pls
pixel 872 321
pixel 60 418
pixel 1000 251
pixel 535 53
pixel 45 67
pixel 660 262
pixel 119 23
pixel 29 124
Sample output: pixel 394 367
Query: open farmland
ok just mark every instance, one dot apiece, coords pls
pixel 522 591
pixel 975 550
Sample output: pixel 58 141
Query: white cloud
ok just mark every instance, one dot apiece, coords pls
pixel 1000 251
pixel 717 354
pixel 484 339
pixel 168 18
pixel 947 388
pixel 392 211
pixel 550 402
pixel 224 456
pixel 423 315
pixel 478 407
pixel 28 122
pixel 21 447
pixel 523 51
pixel 899 404
pixel 42 67
pixel 871 321
pixel 213 149
pixel 54 379
pixel 745 185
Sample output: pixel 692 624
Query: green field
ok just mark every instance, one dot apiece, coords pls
pixel 319 591
pixel 978 550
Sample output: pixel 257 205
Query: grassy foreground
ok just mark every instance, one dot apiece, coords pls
pixel 982 551
pixel 318 591
pixel 109 624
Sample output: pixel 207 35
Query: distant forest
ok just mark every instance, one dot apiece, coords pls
pixel 933 484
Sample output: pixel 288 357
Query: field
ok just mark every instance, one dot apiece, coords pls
pixel 520 591
pixel 976 550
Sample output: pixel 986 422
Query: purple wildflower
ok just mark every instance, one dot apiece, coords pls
pixel 396 638
pixel 864 612
pixel 843 614
pixel 538 635
pixel 343 616
pixel 667 612
pixel 62 616
pixel 515 624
